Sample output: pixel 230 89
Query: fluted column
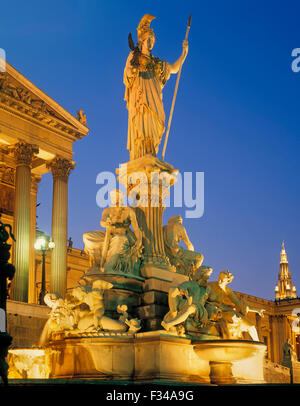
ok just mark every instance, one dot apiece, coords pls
pixel 150 222
pixel 35 180
pixel 60 168
pixel 23 154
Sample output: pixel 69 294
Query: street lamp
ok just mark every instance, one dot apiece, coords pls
pixel 43 244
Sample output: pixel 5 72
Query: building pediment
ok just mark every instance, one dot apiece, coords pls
pixel 22 97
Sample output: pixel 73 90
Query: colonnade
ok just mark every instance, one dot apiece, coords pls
pixel 60 168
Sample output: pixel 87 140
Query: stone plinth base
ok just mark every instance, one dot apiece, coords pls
pixel 154 356
pixel 109 357
pixel 143 358
pixel 154 300
pixel 147 357
pixel 162 357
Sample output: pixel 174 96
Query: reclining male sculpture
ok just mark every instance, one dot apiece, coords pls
pixel 187 260
pixel 83 312
pixel 209 310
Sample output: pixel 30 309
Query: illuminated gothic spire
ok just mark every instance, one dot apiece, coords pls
pixel 283 255
pixel 284 289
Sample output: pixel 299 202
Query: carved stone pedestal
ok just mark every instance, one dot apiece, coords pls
pixel 160 356
pixel 144 357
pixel 154 299
pixel 148 180
pixel 153 356
pixel 103 356
pixel 221 373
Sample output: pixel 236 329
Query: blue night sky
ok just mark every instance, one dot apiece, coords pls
pixel 236 115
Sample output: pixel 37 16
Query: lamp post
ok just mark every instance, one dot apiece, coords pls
pixel 43 244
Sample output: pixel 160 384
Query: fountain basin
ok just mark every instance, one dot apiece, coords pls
pixel 222 353
pixel 31 363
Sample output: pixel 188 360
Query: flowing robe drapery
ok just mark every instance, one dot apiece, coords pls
pixel 146 116
pixel 184 260
pixel 121 255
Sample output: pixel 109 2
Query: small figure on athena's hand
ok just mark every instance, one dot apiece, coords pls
pixel 144 79
pixel 118 249
pixel 187 260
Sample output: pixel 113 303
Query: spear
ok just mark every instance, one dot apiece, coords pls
pixel 175 92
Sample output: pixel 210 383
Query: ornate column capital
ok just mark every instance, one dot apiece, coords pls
pixel 24 153
pixel 149 178
pixel 60 168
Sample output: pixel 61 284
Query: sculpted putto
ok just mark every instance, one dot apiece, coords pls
pixel 118 249
pixel 144 79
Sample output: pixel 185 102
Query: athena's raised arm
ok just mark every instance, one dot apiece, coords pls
pixel 174 68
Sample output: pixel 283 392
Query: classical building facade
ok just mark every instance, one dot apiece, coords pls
pixel 36 137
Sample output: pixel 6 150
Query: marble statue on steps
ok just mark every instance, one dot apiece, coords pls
pixel 187 260
pixel 118 248
pixel 144 79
